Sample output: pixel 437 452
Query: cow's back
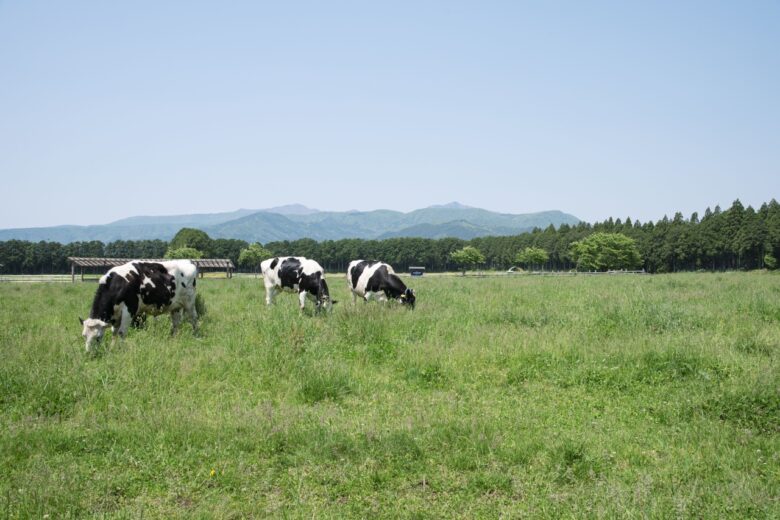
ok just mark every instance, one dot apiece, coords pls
pixel 166 286
pixel 354 270
pixel 185 273
pixel 269 268
pixel 361 271
pixel 286 271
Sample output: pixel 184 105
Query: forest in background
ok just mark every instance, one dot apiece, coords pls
pixel 737 238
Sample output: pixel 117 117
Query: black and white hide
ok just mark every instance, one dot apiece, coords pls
pixel 296 274
pixel 371 279
pixel 129 291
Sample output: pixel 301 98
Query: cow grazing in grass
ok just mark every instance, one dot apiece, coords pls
pixel 372 279
pixel 296 274
pixel 128 291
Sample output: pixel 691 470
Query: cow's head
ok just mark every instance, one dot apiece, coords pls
pixel 408 298
pixel 323 297
pixel 92 331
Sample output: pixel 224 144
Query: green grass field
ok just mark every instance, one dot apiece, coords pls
pixel 623 397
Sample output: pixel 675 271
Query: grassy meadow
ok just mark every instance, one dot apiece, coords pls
pixel 512 396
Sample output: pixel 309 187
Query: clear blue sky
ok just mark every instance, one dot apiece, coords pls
pixel 640 109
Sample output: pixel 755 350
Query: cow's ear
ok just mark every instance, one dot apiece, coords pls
pixel 81 321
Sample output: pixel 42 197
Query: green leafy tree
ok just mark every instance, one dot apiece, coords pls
pixel 253 255
pixel 467 257
pixel 194 238
pixel 228 248
pixel 184 252
pixel 604 251
pixel 532 256
pixel 770 262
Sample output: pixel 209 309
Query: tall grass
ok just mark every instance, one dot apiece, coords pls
pixel 648 396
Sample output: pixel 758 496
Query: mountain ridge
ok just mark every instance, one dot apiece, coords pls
pixel 294 221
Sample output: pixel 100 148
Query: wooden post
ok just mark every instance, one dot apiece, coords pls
pixel 82 273
pixel 73 272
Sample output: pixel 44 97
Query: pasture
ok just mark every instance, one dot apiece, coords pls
pixel 652 396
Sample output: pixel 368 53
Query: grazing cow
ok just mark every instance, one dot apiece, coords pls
pixel 128 291
pixel 377 279
pixel 296 274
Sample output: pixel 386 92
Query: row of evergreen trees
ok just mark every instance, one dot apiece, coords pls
pixel 737 238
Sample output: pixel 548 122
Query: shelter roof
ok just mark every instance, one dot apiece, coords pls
pixel 208 263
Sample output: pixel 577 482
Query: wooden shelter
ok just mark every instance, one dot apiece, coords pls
pixel 203 264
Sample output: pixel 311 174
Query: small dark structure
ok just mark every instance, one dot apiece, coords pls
pixel 416 271
pixel 203 264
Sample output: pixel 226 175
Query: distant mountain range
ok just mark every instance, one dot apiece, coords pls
pixel 295 221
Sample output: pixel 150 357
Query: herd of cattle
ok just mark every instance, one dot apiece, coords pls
pixel 133 290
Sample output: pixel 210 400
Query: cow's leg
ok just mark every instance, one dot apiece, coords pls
pixel 270 290
pixel 116 318
pixel 175 320
pixel 354 298
pixel 125 321
pixel 302 298
pixel 192 313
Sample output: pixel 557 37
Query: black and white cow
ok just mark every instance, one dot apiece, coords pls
pixel 369 279
pixel 135 288
pixel 296 274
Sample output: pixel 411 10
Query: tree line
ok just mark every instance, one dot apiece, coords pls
pixel 736 238
pixel 24 257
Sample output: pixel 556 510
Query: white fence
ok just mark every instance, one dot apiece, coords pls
pixel 35 278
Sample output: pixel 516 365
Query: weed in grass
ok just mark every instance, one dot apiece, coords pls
pixel 675 365
pixel 425 374
pixel 755 407
pixel 319 383
pixel 615 371
pixel 767 309
pixel 380 352
pixel 398 448
pixel 518 316
pixel 334 445
pixel 492 483
pixel 573 462
pixel 754 344
pixel 46 394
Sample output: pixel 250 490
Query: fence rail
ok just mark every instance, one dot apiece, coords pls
pixel 578 273
pixel 35 278
pixel 483 274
